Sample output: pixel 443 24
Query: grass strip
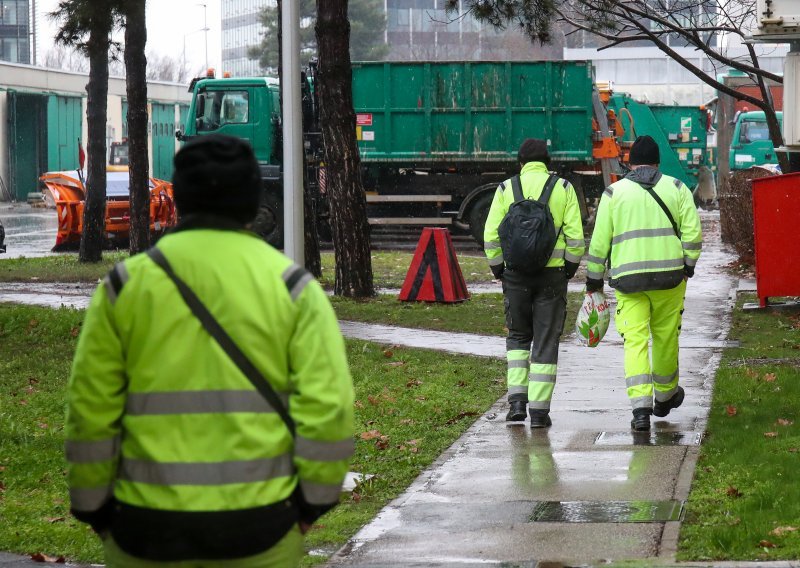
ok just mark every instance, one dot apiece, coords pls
pixel 411 405
pixel 389 268
pixel 482 313
pixel 745 500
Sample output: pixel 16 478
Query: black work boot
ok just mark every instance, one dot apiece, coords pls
pixel 641 419
pixel 540 419
pixel 518 412
pixel 661 409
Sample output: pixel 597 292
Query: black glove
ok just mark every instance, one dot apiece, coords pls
pixel 99 519
pixel 688 271
pixel 498 270
pixel 570 268
pixel 308 513
pixel 593 285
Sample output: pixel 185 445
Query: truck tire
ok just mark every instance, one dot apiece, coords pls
pixel 268 223
pixel 477 216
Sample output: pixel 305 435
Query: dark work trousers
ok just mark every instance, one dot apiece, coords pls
pixel 535 307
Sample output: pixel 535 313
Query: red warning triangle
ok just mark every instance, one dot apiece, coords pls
pixel 434 274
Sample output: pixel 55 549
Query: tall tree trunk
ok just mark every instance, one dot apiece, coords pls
pixel 94 210
pixel 348 204
pixel 136 79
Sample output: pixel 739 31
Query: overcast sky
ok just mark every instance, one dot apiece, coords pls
pixel 168 23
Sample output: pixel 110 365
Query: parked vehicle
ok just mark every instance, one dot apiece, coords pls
pixel 435 139
pixel 751 144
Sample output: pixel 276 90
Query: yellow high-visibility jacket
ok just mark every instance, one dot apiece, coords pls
pixel 634 232
pixel 563 206
pixel 164 428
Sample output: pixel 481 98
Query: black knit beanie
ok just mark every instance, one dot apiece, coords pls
pixel 644 152
pixel 219 175
pixel 533 150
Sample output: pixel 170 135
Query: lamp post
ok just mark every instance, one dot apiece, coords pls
pixel 205 29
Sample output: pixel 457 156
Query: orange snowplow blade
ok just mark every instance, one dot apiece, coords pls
pixel 68 193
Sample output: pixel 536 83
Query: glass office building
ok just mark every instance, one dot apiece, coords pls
pixel 241 30
pixel 14 31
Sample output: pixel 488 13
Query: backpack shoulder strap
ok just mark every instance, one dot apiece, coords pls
pixel 548 189
pixel 516 188
pixel 664 207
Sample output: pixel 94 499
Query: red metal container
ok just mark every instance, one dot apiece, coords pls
pixel 776 220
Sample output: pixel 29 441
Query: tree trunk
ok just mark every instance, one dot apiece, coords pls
pixel 94 210
pixel 348 204
pixel 136 79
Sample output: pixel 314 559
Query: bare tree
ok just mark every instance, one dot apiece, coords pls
pixel 87 26
pixel 168 68
pixel 348 203
pixel 66 58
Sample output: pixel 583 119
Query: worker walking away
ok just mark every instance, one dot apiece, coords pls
pixel 534 242
pixel 649 229
pixel 210 405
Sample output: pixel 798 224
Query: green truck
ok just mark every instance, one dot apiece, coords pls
pixel 680 131
pixel 435 139
pixel 751 144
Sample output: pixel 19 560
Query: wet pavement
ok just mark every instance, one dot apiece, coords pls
pixel 30 231
pixel 586 491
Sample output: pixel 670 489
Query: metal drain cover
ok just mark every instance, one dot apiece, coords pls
pixel 652 438
pixel 607 511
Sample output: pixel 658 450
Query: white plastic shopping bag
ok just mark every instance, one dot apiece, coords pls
pixel 593 319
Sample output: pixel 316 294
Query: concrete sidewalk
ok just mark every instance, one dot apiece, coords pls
pixel 586 491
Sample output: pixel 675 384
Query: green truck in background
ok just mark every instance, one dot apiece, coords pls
pixel 681 133
pixel 751 144
pixel 435 139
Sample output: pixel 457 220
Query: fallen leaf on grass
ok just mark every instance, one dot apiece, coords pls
pixel 74 332
pixel 733 492
pixel 406 421
pixel 780 531
pixel 55 519
pixel 371 435
pixel 388 353
pixel 785 422
pixel 39 557
pixel 33 323
pixel 459 417
pixel 461 384
pixel 767 544
pixel 793 450
pixel 396 364
pixel 769 378
pixel 382 443
pixel 731 410
pixel 356 497
pixel 413 383
pixel 373 400
pixel 770 434
pixel 751 373
pixel 358 404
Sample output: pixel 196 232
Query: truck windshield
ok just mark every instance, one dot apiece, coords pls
pixel 222 107
pixel 753 132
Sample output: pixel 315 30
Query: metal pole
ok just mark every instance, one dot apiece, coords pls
pixel 205 30
pixel 292 134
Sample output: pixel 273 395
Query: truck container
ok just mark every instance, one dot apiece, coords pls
pixel 435 139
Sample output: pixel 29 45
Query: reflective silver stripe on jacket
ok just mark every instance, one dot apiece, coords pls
pixel 518 363
pixel 496 261
pixel 115 280
pixel 609 191
pixel 594 275
pixel 89 499
pixel 642 233
pixel 541 378
pixel 316 450
pixel 198 402
pixel 491 245
pixel 320 493
pixel 568 256
pixel 690 261
pixel 691 246
pixel 517 389
pixel 557 254
pixel 575 242
pixel 647 265
pixel 296 279
pixel 636 380
pixel 90 452
pixel 205 473
pixel 677 183
pixel 596 259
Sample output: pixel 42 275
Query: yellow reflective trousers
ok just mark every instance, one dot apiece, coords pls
pixel 640 316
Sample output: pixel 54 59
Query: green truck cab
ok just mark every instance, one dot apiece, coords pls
pixel 751 144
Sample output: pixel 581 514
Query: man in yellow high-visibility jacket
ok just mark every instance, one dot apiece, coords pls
pixel 649 229
pixel 174 457
pixel 535 304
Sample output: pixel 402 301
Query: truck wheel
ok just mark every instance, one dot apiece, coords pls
pixel 268 223
pixel 477 216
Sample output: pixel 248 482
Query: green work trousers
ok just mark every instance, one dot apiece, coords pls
pixel 640 316
pixel 286 553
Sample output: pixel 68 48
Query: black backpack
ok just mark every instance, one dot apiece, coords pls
pixel 527 232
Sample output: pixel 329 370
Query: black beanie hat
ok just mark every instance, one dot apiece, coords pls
pixel 644 152
pixel 217 174
pixel 533 150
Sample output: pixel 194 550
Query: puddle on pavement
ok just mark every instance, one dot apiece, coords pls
pixel 30 231
pixel 607 511
pixel 648 439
